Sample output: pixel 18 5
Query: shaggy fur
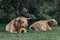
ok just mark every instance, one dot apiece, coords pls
pixel 16 24
pixel 43 25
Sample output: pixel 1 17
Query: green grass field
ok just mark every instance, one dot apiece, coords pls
pixel 31 35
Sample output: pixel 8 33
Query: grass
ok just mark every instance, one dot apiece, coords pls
pixel 31 35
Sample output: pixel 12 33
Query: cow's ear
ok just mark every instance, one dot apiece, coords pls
pixel 15 22
pixel 19 21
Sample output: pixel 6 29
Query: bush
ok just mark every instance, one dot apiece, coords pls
pixel 42 9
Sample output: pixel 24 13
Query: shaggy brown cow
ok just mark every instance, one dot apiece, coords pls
pixel 16 25
pixel 43 25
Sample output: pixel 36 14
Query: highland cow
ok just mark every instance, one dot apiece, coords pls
pixel 16 24
pixel 43 25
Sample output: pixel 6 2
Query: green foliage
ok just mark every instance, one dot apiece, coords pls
pixel 11 16
pixel 42 9
pixel 57 17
